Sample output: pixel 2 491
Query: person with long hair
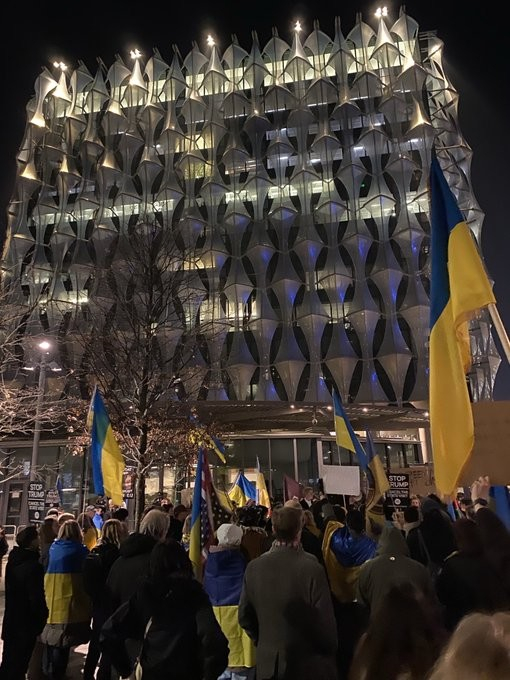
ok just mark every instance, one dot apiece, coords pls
pixel 172 617
pixel 90 533
pixel 48 532
pixel 68 604
pixel 403 640
pixel 96 568
pixel 479 649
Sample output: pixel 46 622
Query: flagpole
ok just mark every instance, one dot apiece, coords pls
pixel 500 329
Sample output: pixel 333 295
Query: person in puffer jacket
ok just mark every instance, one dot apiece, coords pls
pixel 223 582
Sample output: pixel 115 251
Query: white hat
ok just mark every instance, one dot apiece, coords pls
pixel 229 534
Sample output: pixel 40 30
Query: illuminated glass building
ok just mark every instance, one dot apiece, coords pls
pixel 298 170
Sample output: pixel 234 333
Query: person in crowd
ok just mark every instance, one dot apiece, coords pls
pixel 255 538
pixel 112 507
pixel 171 616
pixel 479 649
pixel 414 539
pixel 223 582
pixel 129 570
pixel 90 533
pixel 64 517
pixel 186 532
pixel 391 567
pixel 467 583
pixel 121 514
pixel 415 501
pixel 307 501
pixel 286 607
pixel 25 610
pixel 404 639
pixel 436 529
pixel 350 547
pixel 310 542
pixel 466 507
pixel 68 604
pixel 90 510
pixel 98 520
pixel 177 517
pixel 48 532
pixel 96 568
pixel 496 545
pixel 4 548
pixel 310 525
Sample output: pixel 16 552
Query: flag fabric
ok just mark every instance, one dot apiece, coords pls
pixel 291 488
pixel 376 468
pixel 107 460
pixel 207 513
pixel 60 489
pixel 242 491
pixel 261 489
pixel 67 601
pixel 459 288
pixel 502 503
pixel 202 438
pixel 218 448
pixel 345 435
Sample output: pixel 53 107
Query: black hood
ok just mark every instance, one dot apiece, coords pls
pixel 19 556
pixel 137 544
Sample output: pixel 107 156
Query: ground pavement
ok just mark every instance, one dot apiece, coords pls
pixel 76 659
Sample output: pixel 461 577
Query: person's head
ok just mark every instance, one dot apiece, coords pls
pixel 340 513
pixel 28 538
pixel 98 509
pixel 467 537
pixel 90 511
pixel 70 531
pixel 181 512
pixel 229 535
pixel 411 514
pixel 85 522
pixel 354 521
pixel 292 503
pixel 308 493
pixel 169 561
pixel 248 516
pixel 287 524
pixel 308 519
pixel 64 517
pixel 479 648
pixel 155 524
pixel 111 504
pixel 52 512
pixel 113 532
pixel 121 514
pixel 405 637
pixel 415 501
pixel 48 530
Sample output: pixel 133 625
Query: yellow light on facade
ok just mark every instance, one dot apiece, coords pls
pixel 135 54
pixel 381 12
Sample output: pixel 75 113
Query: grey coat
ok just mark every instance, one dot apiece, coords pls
pixel 286 608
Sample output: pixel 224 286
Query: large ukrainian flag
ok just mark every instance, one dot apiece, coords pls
pixel 459 288
pixel 345 435
pixel 107 460
pixel 242 491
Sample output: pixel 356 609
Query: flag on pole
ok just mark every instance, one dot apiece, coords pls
pixel 381 483
pixel 291 489
pixel 242 491
pixel 201 437
pixel 459 288
pixel 261 488
pixel 345 435
pixel 107 460
pixel 218 448
pixel 207 513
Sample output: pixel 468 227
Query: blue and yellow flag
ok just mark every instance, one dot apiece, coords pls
pixel 376 467
pixel 261 489
pixel 459 288
pixel 345 435
pixel 107 460
pixel 242 491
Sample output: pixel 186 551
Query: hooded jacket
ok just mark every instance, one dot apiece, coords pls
pixel 130 569
pixel 183 641
pixel 223 582
pixel 391 567
pixel 25 607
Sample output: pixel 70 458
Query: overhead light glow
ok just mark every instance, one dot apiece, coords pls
pixel 60 65
pixel 381 12
pixel 297 27
pixel 210 40
pixel 44 345
pixel 135 54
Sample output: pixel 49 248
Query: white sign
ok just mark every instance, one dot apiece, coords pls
pixel 341 479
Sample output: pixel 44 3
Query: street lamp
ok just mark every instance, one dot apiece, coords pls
pixel 44 346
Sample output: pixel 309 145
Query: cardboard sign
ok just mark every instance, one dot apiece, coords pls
pixel 491 453
pixel 341 479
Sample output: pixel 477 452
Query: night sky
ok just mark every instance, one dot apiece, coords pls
pixel 38 33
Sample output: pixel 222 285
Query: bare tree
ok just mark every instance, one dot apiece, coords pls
pixel 145 344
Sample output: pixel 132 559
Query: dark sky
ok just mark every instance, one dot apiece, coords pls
pixel 38 32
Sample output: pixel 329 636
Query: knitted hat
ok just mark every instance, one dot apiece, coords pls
pixel 229 535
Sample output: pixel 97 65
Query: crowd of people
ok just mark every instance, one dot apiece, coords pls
pixel 305 589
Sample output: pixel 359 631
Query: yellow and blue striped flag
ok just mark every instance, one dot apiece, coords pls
pixel 375 465
pixel 107 460
pixel 345 435
pixel 261 489
pixel 242 491
pixel 459 288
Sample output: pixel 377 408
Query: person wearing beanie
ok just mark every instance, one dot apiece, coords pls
pixel 223 582
pixel 25 606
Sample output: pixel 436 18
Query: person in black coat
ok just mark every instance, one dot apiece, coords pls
pixel 96 568
pixel 171 616
pixel 25 607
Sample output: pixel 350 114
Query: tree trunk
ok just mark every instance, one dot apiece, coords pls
pixel 139 496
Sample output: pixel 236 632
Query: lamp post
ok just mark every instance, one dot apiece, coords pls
pixel 44 346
